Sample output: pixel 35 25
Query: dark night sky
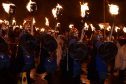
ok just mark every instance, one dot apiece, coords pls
pixel 71 12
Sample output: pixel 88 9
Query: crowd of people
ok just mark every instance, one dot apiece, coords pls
pixel 58 57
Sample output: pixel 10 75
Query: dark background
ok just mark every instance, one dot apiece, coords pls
pixel 70 14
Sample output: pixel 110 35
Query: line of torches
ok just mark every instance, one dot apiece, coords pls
pixel 113 9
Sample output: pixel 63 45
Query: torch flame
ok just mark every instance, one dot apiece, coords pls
pixel 56 10
pixel 117 28
pixel 92 27
pixel 124 29
pixel 13 21
pixel 28 6
pixel 42 30
pixel 108 28
pixel 6 6
pixel 58 24
pixel 101 26
pixel 34 21
pixel 71 26
pixel 47 21
pixel 113 9
pixel 84 8
pixel 86 26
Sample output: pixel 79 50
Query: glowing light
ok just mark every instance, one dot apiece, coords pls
pixel 108 28
pixel 37 29
pixel 28 6
pixel 13 21
pixel 116 28
pixel 42 30
pixel 46 21
pixel 124 29
pixel 56 11
pixel 71 26
pixel 58 24
pixel 101 26
pixel 86 26
pixel 92 27
pixel 6 7
pixel 24 22
pixel 34 21
pixel 1 21
pixel 84 8
pixel 113 9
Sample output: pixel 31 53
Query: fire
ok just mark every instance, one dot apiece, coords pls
pixel 113 9
pixel 101 26
pixel 34 21
pixel 13 21
pixel 117 28
pixel 29 5
pixel 6 6
pixel 24 22
pixel 42 30
pixel 71 26
pixel 108 28
pixel 56 11
pixel 47 21
pixel 92 27
pixel 1 21
pixel 124 29
pixel 58 24
pixel 84 8
pixel 86 26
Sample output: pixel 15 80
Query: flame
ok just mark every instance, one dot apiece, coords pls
pixel 24 22
pixel 13 21
pixel 55 11
pixel 124 29
pixel 108 28
pixel 37 29
pixel 6 6
pixel 47 21
pixel 101 26
pixel 92 27
pixel 42 30
pixel 71 26
pixel 58 24
pixel 84 8
pixel 34 21
pixel 1 21
pixel 86 26
pixel 28 6
pixel 113 9
pixel 21 27
pixel 117 28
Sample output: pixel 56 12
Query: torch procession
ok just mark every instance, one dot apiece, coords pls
pixel 62 42
pixel 114 10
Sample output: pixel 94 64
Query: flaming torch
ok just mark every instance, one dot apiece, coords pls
pixel 114 10
pixel 46 22
pixel 32 7
pixel 9 8
pixel 56 11
pixel 84 9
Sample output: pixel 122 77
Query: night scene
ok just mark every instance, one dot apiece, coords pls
pixel 62 42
